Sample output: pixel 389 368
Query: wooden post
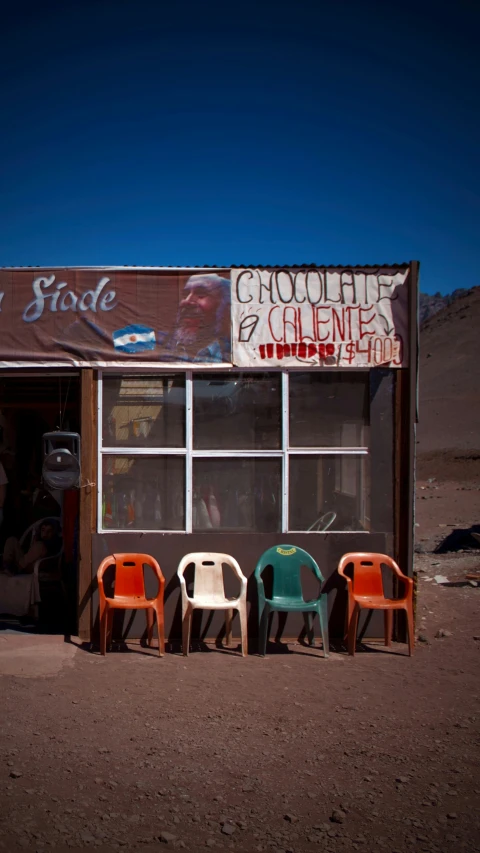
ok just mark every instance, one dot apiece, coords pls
pixel 405 432
pixel 88 493
pixel 405 422
pixel 409 531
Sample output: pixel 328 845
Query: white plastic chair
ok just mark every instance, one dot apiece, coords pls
pixel 53 561
pixel 323 523
pixel 47 569
pixel 20 594
pixel 209 594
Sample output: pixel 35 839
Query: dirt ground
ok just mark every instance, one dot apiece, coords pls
pixel 288 753
pixel 447 509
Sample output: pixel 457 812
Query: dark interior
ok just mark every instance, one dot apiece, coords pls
pixel 31 405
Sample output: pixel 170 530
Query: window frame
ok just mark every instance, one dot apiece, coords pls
pixel 284 452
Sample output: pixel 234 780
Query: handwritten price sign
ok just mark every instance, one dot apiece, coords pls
pixel 343 318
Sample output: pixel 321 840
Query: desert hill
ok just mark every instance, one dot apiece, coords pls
pixel 429 304
pixel 448 433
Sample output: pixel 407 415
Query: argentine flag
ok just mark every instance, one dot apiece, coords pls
pixel 134 338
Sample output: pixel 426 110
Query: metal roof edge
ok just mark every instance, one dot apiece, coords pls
pixel 114 267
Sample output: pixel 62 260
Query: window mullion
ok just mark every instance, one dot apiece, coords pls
pixel 285 445
pixel 99 452
pixel 121 450
pixel 189 446
pixel 240 454
pixel 329 451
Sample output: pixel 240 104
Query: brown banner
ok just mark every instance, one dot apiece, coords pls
pixel 355 317
pixel 85 316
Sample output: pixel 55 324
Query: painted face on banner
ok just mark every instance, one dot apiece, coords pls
pixel 201 309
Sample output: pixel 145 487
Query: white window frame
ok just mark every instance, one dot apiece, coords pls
pixel 284 453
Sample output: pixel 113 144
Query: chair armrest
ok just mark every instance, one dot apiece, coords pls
pixel 316 571
pixel 399 573
pixel 243 589
pixel 408 582
pixel 51 558
pixel 341 572
pixel 156 568
pixel 184 591
pixel 241 577
pixel 183 584
pixel 260 586
pixel 108 561
pixel 184 562
pixel 346 559
pixel 258 577
pixel 236 568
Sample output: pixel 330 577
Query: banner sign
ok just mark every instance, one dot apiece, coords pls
pixel 248 318
pixel 87 316
pixel 354 317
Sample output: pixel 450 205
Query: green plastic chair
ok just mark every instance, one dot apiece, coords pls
pixel 286 562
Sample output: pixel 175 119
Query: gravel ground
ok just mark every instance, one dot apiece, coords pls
pixel 288 753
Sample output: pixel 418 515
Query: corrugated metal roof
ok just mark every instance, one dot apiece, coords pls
pixel 216 267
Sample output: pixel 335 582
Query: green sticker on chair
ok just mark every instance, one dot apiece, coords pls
pixel 286 552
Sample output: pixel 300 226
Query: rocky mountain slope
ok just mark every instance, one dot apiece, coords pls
pixel 449 398
pixel 431 304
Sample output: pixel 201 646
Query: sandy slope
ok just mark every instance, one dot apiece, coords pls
pixel 449 398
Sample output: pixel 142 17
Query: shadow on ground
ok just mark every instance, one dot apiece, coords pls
pixel 460 539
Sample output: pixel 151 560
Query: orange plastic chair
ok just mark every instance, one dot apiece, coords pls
pixel 365 592
pixel 130 595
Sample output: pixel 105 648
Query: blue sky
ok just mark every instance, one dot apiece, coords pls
pixel 216 133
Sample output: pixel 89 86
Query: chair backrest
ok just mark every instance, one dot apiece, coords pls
pixel 367 571
pixel 208 580
pixel 286 561
pixel 129 578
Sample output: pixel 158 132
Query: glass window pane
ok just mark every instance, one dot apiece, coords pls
pixel 237 494
pixel 241 411
pixel 329 492
pixel 329 409
pixel 143 492
pixel 144 411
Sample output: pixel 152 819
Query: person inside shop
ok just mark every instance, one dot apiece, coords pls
pixel 3 490
pixel 46 542
pixel 202 328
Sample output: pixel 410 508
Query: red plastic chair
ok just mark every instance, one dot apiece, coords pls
pixel 365 592
pixel 130 595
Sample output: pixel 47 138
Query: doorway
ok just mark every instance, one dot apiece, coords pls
pixel 32 404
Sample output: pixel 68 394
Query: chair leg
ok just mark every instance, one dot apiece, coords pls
pixel 263 631
pixel 352 631
pixel 242 612
pixel 348 616
pixel 103 628
pixel 308 619
pixel 161 629
pixel 186 627
pixel 110 613
pixel 323 616
pixel 388 624
pixel 228 627
pixel 410 626
pixel 150 620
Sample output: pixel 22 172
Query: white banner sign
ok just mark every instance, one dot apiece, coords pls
pixel 345 318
